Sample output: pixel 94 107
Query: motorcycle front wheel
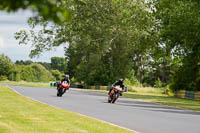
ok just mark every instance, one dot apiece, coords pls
pixel 60 92
pixel 115 97
pixel 109 99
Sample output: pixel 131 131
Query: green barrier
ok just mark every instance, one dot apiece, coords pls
pixel 52 84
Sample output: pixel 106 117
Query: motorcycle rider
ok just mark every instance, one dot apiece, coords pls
pixel 66 78
pixel 120 82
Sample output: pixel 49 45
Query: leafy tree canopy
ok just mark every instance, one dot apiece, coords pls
pixel 48 9
pixel 102 35
pixel 177 25
pixel 6 65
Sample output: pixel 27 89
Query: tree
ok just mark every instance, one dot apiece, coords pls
pixel 59 63
pixel 56 74
pixel 6 65
pixel 178 27
pixel 46 65
pixel 48 9
pixel 35 73
pixel 102 36
pixel 21 62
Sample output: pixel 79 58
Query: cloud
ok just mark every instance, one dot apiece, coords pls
pixel 1 42
pixel 16 18
pixel 11 23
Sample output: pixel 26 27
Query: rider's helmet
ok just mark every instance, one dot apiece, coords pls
pixel 67 76
pixel 121 79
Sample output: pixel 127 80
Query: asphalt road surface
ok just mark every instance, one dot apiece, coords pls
pixel 142 117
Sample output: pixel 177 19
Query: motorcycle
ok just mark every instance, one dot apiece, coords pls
pixel 114 94
pixel 61 88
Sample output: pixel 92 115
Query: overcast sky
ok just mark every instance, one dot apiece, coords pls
pixel 12 23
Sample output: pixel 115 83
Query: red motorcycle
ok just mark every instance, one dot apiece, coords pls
pixel 114 94
pixel 62 88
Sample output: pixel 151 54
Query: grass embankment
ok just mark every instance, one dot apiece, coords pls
pixel 166 100
pixel 157 95
pixel 22 115
pixel 148 94
pixel 24 83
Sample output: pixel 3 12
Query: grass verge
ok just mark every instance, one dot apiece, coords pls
pixel 22 115
pixel 24 83
pixel 166 100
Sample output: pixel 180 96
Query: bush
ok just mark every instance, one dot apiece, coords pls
pixel 187 76
pixel 6 65
pixel 158 83
pixel 57 74
pixel 2 78
pixel 132 82
pixel 35 73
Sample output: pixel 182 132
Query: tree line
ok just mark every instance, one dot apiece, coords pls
pixel 32 71
pixel 153 43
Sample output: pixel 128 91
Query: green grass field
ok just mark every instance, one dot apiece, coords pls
pixel 22 115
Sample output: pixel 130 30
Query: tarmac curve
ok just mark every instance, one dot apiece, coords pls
pixel 142 117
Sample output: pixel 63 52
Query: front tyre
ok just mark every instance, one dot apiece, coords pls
pixel 109 99
pixel 115 97
pixel 59 93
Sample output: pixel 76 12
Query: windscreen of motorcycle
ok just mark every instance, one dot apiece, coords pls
pixel 118 88
pixel 65 84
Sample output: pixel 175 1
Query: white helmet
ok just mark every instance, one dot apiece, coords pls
pixel 67 76
pixel 121 79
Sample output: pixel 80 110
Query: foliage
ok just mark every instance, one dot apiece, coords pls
pixel 46 65
pixel 28 62
pixel 56 74
pixel 158 83
pixel 35 73
pixel 178 27
pixel 132 81
pixel 21 62
pixel 102 37
pixel 2 78
pixel 59 63
pixel 107 40
pixel 25 70
pixel 6 65
pixel 48 9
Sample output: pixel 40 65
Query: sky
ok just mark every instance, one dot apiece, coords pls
pixel 10 23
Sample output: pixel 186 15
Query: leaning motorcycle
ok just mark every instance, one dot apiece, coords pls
pixel 114 94
pixel 61 88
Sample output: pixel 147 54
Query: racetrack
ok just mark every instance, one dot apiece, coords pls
pixel 140 116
